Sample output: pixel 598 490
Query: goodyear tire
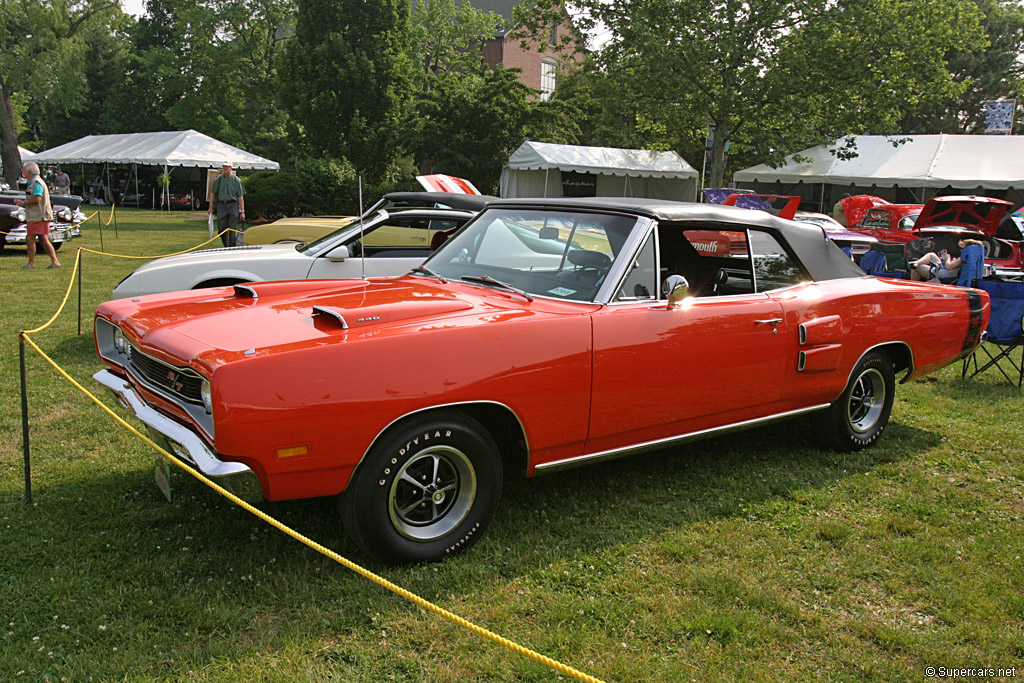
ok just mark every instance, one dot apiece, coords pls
pixel 426 491
pixel 859 416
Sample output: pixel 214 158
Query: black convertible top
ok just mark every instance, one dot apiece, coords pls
pixel 822 259
pixel 470 202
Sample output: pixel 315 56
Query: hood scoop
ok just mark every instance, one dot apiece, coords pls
pixel 322 313
pixel 246 292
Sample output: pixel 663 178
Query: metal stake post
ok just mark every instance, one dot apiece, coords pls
pixel 80 262
pixel 24 419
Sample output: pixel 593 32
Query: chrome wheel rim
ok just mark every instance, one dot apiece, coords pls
pixel 432 493
pixel 867 400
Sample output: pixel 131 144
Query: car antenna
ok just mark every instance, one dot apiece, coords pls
pixel 362 241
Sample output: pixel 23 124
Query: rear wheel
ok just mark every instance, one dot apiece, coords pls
pixel 425 491
pixel 859 416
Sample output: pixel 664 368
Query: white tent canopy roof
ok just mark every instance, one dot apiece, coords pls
pixel 171 148
pixel 26 155
pixel 602 160
pixel 994 162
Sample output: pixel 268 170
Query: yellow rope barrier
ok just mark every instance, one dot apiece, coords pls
pixel 327 552
pixel 109 220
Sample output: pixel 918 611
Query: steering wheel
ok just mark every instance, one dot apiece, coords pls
pixel 355 248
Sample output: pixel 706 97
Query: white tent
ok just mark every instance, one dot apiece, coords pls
pixel 25 154
pixel 172 148
pixel 992 162
pixel 540 169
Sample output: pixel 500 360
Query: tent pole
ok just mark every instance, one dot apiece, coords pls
pixel 167 189
pixel 546 172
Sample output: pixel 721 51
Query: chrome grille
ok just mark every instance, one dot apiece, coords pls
pixel 178 381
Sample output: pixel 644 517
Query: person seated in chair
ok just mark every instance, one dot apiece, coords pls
pixel 942 268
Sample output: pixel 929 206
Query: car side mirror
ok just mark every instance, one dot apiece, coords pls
pixel 678 289
pixel 339 254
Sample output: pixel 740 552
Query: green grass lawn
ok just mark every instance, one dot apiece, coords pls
pixel 753 557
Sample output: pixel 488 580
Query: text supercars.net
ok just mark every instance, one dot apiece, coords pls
pixel 969 672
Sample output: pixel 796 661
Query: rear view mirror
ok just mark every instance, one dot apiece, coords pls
pixel 338 254
pixel 678 288
pixel 548 233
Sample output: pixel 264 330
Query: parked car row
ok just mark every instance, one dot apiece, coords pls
pixel 939 224
pixel 63 228
pixel 519 336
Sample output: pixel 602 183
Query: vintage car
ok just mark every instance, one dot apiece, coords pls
pixel 515 348
pixel 854 243
pixel 384 244
pixel 939 224
pixel 181 200
pixel 63 228
pixel 307 229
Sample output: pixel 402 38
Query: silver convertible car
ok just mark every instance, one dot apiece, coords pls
pixel 385 244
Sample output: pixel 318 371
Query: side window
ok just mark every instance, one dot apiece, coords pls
pixel 400 233
pixel 877 219
pixel 642 280
pixel 773 267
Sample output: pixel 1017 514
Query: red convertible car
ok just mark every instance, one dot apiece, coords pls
pixel 545 334
pixel 938 224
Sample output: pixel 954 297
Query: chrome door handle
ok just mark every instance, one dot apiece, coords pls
pixel 770 321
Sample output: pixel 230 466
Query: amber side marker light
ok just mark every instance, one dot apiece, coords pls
pixel 292 451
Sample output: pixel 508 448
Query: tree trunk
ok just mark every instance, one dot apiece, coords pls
pixel 8 137
pixel 718 155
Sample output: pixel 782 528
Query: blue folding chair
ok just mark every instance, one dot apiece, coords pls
pixel 873 260
pixel 1005 332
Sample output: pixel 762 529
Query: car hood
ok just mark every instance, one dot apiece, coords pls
pixel 229 323
pixel 261 252
pixel 981 214
pixel 334 222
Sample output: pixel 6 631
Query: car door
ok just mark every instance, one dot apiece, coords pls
pixel 392 247
pixel 720 358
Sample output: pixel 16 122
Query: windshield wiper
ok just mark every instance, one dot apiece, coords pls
pixel 487 279
pixel 428 271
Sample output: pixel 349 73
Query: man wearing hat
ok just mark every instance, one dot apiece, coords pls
pixel 227 196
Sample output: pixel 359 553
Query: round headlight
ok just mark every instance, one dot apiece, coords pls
pixel 205 392
pixel 119 340
pixel 64 215
pixel 20 214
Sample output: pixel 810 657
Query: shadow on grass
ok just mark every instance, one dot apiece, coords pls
pixel 548 519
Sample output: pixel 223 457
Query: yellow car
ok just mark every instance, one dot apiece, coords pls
pixel 311 228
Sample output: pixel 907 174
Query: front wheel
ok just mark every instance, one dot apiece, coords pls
pixel 426 491
pixel 860 414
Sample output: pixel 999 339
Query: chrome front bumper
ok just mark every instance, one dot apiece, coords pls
pixel 178 439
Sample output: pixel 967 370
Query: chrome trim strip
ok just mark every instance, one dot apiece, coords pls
pixel 526 440
pixel 196 451
pixel 910 368
pixel 321 310
pixel 621 452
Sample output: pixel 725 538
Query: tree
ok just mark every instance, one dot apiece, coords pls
pixel 985 75
pixel 41 49
pixel 346 78
pixel 774 76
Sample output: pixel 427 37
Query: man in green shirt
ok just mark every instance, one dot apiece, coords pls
pixel 227 197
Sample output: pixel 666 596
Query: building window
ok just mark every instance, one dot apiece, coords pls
pixel 548 77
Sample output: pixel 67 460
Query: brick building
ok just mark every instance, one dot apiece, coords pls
pixel 540 71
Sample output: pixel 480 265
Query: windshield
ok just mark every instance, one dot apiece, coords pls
pixel 551 253
pixel 332 238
